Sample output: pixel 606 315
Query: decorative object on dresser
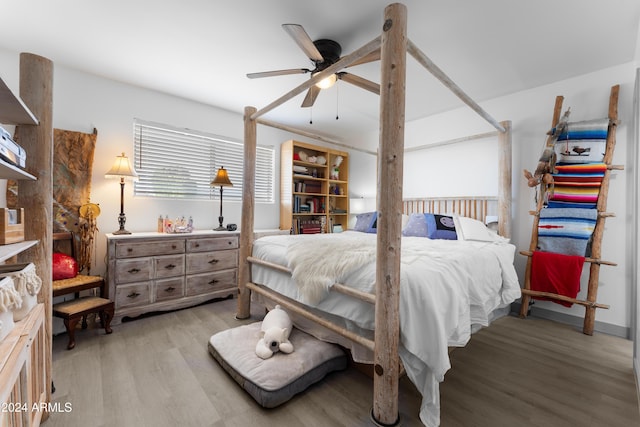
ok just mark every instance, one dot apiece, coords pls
pixel 124 170
pixel 221 179
pixel 160 272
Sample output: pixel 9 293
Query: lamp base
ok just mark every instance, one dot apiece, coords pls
pixel 220 229
pixel 121 231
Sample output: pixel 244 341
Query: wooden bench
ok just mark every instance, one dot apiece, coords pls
pixel 74 310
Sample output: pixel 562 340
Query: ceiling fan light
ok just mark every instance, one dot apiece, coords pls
pixel 327 82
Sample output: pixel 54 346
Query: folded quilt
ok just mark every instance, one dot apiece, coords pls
pixel 587 129
pixel 575 194
pixel 588 169
pixel 557 274
pixel 577 185
pixel 580 150
pixel 566 230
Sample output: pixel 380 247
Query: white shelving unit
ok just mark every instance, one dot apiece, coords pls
pixel 14 112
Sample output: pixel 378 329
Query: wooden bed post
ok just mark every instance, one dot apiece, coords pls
pixel 246 224
pixel 504 187
pixel 390 159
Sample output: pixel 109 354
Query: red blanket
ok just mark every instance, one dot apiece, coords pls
pixel 556 273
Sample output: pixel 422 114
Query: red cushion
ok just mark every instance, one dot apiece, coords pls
pixel 64 266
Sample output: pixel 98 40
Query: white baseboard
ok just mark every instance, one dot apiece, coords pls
pixel 602 327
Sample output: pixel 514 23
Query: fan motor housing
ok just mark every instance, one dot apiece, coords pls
pixel 330 51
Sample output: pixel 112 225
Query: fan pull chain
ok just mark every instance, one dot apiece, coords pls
pixel 311 115
pixel 337 99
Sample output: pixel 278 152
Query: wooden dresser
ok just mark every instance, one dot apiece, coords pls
pixel 158 271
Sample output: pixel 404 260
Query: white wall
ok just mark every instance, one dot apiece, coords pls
pixel 83 102
pixel 531 113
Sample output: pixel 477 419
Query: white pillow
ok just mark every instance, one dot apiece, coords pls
pixel 405 220
pixel 472 229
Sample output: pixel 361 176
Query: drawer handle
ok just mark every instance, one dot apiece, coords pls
pixel 173 246
pixel 134 270
pixel 129 249
pixel 133 295
pixel 170 266
pixel 170 289
pixel 213 261
pixel 197 245
pixel 214 281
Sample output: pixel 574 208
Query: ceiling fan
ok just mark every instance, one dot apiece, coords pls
pixel 322 53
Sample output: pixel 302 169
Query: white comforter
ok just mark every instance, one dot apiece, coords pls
pixel 446 288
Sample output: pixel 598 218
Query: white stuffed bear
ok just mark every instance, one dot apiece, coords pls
pixel 275 331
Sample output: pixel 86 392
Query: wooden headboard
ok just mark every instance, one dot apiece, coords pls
pixel 473 207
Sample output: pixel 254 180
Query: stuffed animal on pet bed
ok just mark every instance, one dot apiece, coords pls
pixel 275 331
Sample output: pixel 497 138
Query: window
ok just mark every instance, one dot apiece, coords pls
pixel 181 163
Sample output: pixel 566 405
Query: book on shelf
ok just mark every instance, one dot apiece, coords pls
pixel 308 226
pixel 307 187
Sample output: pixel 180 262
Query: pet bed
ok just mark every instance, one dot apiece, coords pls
pixel 272 382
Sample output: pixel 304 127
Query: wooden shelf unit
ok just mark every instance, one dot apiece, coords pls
pixel 317 198
pixel 25 354
pixel 22 372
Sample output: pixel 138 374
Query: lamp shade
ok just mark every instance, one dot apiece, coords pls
pixel 122 168
pixel 327 82
pixel 221 179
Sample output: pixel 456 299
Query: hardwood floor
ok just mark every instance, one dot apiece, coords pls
pixel 156 371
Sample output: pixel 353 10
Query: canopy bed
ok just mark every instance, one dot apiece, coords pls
pixel 388 343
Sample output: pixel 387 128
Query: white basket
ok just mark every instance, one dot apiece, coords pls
pixel 9 300
pixel 27 284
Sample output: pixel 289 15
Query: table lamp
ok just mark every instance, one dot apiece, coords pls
pixel 221 179
pixel 122 169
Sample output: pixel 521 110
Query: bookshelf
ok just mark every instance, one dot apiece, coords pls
pixel 314 192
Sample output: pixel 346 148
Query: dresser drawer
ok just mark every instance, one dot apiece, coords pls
pixel 134 270
pixel 212 244
pixel 210 282
pixel 169 288
pixel 168 266
pixel 143 249
pixel 134 294
pixel 211 261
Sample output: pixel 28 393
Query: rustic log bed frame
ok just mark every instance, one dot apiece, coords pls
pixel 392 46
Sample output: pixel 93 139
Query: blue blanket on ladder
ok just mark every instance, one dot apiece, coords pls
pixel 566 230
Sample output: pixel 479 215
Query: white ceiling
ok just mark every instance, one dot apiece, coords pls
pixel 202 49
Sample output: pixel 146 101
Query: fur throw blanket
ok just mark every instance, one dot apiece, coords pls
pixel 329 259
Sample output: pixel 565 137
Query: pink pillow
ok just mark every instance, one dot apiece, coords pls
pixel 64 266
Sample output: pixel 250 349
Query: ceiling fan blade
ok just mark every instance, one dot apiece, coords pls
pixel 360 82
pixel 373 56
pixel 312 94
pixel 300 36
pixel 278 73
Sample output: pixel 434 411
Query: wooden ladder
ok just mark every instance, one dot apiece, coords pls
pixel 594 260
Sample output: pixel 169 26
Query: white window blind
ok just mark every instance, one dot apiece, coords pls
pixel 181 163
